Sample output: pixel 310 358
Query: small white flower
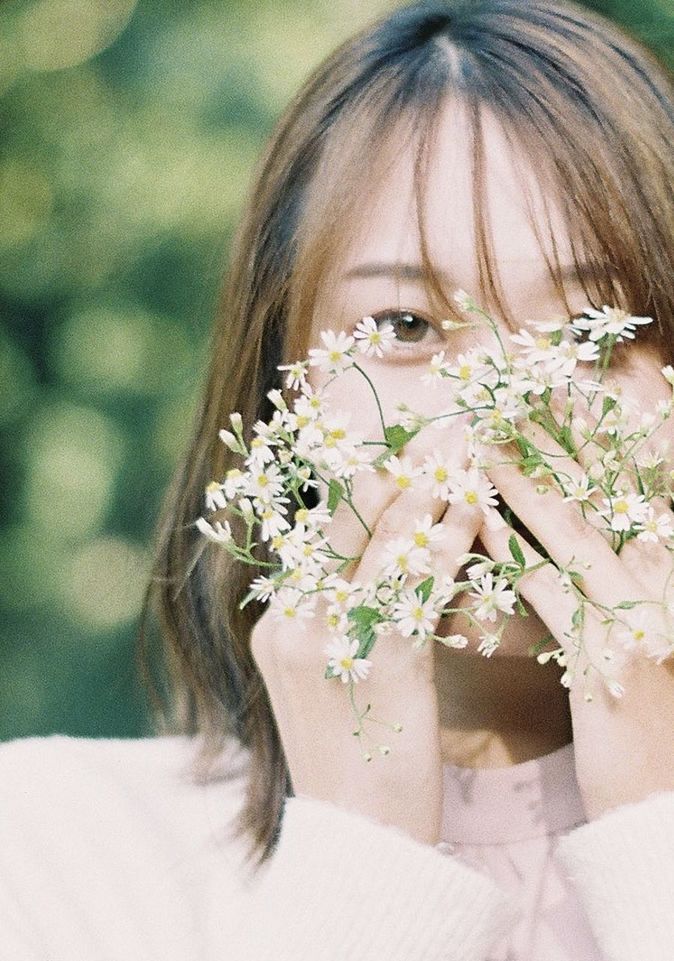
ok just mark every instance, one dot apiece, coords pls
pixel 297 374
pixel 488 644
pixel 437 370
pixel 414 616
pixel 609 320
pixel 654 528
pixel 473 488
pixel 492 597
pixel 463 300
pixel 218 532
pixel 215 499
pixel 439 469
pixel 336 353
pixel 426 532
pixel 402 470
pixel 402 556
pixel 235 483
pixel 622 510
pixel 290 605
pixel 343 661
pixel 373 340
pixel 579 490
pixel 263 588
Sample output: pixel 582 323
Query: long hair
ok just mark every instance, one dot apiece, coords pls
pixel 596 111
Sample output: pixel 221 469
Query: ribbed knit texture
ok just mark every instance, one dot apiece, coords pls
pixel 369 892
pixel 624 864
pixel 109 852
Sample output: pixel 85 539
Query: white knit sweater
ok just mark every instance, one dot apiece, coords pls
pixel 108 852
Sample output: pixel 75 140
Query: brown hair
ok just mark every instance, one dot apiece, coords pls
pixel 589 103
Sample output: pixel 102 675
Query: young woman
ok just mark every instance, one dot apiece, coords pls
pixel 520 151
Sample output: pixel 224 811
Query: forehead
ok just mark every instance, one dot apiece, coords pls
pixel 517 208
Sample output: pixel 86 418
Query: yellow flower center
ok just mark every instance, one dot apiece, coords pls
pixel 301 515
pixel 621 507
pixel 464 372
pixel 403 481
pixel 542 343
pixel 262 480
pixel 440 474
pixel 421 539
pixel 289 611
pixel 470 497
pixel 639 634
pixel 418 613
pixel 335 355
pixel 346 662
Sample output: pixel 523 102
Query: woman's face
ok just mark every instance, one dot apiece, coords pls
pixel 381 276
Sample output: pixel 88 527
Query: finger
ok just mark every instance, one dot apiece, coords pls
pixel 569 538
pixel 652 564
pixel 544 588
pixel 393 537
pixel 375 492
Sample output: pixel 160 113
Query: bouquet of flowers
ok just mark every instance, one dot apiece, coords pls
pixel 514 396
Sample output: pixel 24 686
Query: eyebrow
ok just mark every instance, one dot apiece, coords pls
pixel 415 273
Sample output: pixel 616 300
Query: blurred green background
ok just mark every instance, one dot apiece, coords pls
pixel 129 131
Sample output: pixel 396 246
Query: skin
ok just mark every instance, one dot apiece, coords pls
pixel 458 706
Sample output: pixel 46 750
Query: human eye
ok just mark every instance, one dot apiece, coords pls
pixel 410 327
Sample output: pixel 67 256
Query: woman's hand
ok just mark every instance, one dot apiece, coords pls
pixel 314 715
pixel 623 745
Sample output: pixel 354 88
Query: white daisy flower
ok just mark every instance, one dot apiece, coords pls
pixel 426 532
pixel 472 488
pixel 272 521
pixel 215 498
pixel 219 533
pixel 654 528
pixel 371 339
pixel 608 320
pixel 335 355
pixel 579 490
pixel 402 556
pixel 291 605
pixel 437 370
pixel 488 644
pixel 343 661
pixel 402 470
pixel 622 510
pixel 439 469
pixel 492 597
pixel 414 616
pixel 263 588
pixel 297 374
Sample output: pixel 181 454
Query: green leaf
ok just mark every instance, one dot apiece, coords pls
pixel 566 440
pixel 516 551
pixel 423 590
pixel 626 605
pixel 364 620
pixel 397 436
pixel 335 495
pixel 609 404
